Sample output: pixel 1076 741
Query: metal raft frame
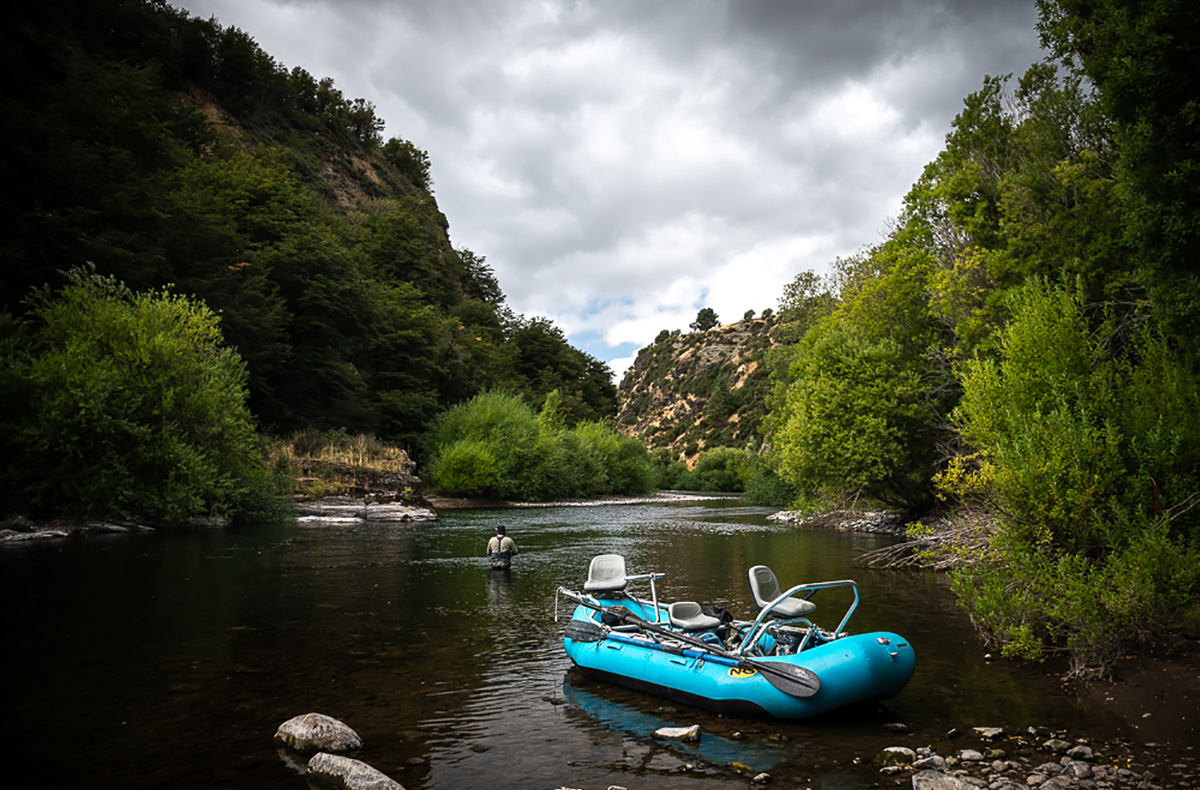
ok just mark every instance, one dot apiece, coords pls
pixel 762 623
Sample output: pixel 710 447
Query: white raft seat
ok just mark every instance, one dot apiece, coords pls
pixel 687 615
pixel 606 575
pixel 764 587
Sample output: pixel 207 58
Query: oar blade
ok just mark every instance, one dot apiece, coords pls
pixel 583 631
pixel 788 678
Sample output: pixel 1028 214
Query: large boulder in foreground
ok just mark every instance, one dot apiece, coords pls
pixel 316 732
pixel 343 773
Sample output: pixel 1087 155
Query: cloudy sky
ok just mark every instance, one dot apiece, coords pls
pixel 623 163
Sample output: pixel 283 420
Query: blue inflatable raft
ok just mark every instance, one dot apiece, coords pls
pixel 780 664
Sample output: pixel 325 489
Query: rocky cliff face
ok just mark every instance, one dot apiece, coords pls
pixel 697 390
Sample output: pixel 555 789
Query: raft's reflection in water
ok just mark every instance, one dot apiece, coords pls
pixel 596 701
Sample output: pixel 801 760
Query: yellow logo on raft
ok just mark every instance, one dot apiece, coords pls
pixel 738 672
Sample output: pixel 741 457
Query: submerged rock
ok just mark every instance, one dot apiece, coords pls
pixel 1053 764
pixel 897 755
pixel 316 732
pixel 1056 745
pixel 685 734
pixel 343 773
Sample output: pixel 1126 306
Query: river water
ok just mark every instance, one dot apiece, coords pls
pixel 169 659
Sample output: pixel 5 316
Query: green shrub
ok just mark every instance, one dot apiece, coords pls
pixel 1033 601
pixel 765 487
pixel 624 460
pixel 494 445
pixel 1091 457
pixel 500 433
pixel 666 469
pixel 721 469
pixel 467 467
pixel 135 409
pixel 1084 435
pixel 856 420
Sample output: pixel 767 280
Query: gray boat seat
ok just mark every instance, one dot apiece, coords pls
pixel 764 587
pixel 688 616
pixel 606 574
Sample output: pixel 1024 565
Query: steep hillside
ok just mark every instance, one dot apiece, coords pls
pixel 701 389
pixel 166 151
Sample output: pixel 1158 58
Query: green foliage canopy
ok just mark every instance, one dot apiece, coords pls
pixel 167 149
pixel 854 421
pixel 1089 451
pixel 495 446
pixel 706 319
pixel 1141 58
pixel 134 409
pixel 1042 278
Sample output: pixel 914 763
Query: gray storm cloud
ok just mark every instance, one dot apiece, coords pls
pixel 622 164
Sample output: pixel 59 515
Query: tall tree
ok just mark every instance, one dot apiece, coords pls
pixel 706 319
pixel 1143 56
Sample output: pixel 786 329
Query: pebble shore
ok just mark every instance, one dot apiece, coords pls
pixel 1036 759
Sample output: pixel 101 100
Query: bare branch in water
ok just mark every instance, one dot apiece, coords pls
pixel 957 540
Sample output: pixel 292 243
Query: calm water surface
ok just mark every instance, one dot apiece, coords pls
pixel 168 660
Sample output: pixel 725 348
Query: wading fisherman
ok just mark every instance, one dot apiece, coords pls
pixel 501 548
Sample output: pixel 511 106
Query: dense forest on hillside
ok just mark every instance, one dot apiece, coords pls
pixel 1022 346
pixel 161 150
pixel 166 149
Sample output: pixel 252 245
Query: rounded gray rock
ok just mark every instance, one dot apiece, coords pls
pixel 897 755
pixel 935 780
pixel 344 773
pixel 685 734
pixel 935 762
pixel 1078 769
pixel 1081 752
pixel 316 732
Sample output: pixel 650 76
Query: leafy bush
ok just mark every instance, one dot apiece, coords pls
pixel 623 459
pixel 495 427
pixel 765 486
pixel 1033 600
pixel 494 445
pixel 855 419
pixel 1091 451
pixel 721 469
pixel 668 471
pixel 468 467
pixel 1085 430
pixel 727 469
pixel 134 409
